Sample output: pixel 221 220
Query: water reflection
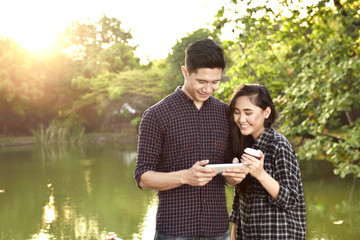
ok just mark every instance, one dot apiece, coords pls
pixel 330 213
pixel 68 192
pixel 147 226
pixel 49 216
pixel 49 212
pixel 92 192
pixel 86 164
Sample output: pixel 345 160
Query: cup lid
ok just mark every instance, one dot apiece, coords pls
pixel 253 152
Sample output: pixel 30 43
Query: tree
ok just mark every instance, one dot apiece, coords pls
pixel 308 57
pixel 86 81
pixel 102 51
pixel 109 92
pixel 99 44
pixel 20 87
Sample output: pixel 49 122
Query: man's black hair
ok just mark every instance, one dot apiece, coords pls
pixel 204 53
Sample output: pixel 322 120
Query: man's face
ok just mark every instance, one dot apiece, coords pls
pixel 201 85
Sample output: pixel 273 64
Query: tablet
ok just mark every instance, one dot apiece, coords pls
pixel 219 168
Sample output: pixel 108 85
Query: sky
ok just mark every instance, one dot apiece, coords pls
pixel 154 24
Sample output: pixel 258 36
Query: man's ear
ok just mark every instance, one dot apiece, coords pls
pixel 184 71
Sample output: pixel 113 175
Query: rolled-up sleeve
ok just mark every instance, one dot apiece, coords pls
pixel 149 145
pixel 287 173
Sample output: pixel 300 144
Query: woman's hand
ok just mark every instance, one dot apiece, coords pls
pixel 256 169
pixel 255 166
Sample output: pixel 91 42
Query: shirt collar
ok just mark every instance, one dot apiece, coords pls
pixel 263 139
pixel 182 94
pixel 185 97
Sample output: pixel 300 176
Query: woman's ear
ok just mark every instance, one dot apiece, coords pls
pixel 267 112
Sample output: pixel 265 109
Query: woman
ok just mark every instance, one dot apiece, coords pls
pixel 269 203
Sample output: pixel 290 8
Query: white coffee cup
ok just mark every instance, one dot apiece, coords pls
pixel 253 152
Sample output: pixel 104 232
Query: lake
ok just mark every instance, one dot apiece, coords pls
pixel 85 192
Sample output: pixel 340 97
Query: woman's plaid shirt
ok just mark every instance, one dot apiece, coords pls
pixel 256 213
pixel 174 135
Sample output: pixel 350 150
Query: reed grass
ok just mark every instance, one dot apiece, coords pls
pixel 60 133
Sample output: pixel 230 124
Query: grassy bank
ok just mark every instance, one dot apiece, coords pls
pixel 124 137
pixel 16 141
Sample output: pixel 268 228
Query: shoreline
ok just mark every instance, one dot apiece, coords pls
pixel 88 138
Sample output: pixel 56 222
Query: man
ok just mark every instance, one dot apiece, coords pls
pixel 178 136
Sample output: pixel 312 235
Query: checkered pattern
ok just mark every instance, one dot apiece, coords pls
pixel 174 135
pixel 256 213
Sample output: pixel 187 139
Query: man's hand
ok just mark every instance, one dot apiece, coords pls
pixel 198 175
pixel 235 176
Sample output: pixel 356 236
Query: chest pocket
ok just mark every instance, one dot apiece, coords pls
pixel 219 140
pixel 218 145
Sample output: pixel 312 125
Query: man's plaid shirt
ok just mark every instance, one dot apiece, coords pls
pixel 174 135
pixel 256 213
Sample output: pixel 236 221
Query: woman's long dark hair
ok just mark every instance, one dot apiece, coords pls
pixel 260 97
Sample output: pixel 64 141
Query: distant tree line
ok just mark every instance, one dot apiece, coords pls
pixel 87 80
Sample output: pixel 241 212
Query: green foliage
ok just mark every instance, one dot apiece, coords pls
pixel 99 46
pixel 18 83
pixel 88 77
pixel 120 57
pixel 108 92
pixel 103 52
pixel 22 87
pixel 307 56
pixel 136 121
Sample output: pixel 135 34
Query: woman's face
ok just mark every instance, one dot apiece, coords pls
pixel 250 118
